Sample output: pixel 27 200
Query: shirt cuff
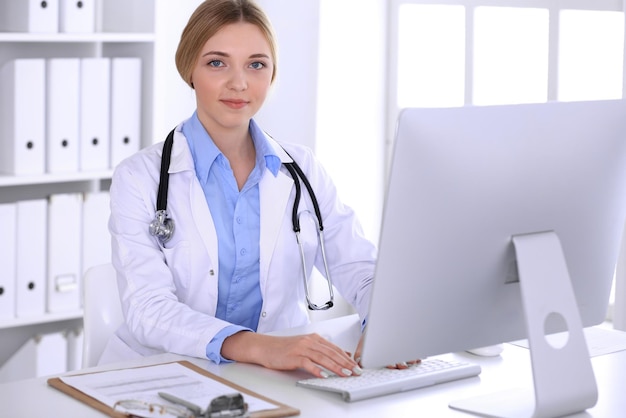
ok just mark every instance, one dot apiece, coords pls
pixel 214 347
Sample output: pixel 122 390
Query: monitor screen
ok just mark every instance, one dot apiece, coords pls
pixel 463 183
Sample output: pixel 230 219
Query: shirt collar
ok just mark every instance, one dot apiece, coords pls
pixel 200 143
pixel 264 149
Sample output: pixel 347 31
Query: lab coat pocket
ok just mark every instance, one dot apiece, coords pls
pixel 178 259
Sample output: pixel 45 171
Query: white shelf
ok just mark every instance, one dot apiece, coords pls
pixel 36 320
pixel 76 37
pixel 125 28
pixel 71 177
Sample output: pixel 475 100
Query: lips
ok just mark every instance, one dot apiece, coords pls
pixel 234 103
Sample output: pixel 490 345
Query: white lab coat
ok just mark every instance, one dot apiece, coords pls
pixel 169 295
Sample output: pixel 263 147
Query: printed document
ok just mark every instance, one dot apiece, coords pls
pixel 144 383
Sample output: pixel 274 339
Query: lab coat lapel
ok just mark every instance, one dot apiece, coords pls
pixel 183 161
pixel 203 220
pixel 274 198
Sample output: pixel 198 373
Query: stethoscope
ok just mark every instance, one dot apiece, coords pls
pixel 162 226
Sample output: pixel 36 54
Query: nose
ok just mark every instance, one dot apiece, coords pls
pixel 238 81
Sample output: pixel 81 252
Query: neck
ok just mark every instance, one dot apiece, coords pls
pixel 237 146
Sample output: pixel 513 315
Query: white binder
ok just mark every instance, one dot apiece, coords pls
pixel 62 110
pixel 8 260
pixel 42 355
pixel 95 97
pixel 64 248
pixel 96 236
pixel 31 257
pixel 23 116
pixel 125 108
pixel 75 341
pixel 29 16
pixel 77 16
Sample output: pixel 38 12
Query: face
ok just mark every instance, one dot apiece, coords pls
pixel 232 77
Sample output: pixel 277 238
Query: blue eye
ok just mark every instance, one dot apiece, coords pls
pixel 257 65
pixel 215 63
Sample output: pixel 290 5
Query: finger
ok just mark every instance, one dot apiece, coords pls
pixel 315 369
pixel 401 366
pixel 341 366
pixel 332 358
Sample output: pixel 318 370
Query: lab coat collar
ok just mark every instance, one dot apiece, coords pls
pixel 278 150
pixel 181 159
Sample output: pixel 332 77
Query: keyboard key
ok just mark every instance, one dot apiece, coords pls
pixel 383 381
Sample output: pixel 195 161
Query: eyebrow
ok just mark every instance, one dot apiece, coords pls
pixel 224 54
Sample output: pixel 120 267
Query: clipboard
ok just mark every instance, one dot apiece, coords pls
pixel 281 409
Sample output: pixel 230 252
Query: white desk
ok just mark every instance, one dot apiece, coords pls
pixel 34 398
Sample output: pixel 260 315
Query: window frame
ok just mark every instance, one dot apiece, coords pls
pixel 553 6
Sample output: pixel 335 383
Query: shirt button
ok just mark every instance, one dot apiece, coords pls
pixel 263 314
pixel 242 251
pixel 238 219
pixel 212 272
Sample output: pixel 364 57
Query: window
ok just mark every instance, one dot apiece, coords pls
pixel 449 53
pixel 590 55
pixel 510 55
pixel 431 55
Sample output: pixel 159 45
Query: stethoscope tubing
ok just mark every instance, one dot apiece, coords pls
pixel 163 226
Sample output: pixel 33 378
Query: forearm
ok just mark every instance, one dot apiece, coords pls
pixel 309 352
pixel 245 346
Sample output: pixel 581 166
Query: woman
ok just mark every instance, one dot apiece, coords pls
pixel 232 269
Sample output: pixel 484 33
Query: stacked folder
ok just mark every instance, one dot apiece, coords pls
pixel 43 355
pixel 46 246
pixel 22 117
pixel 63 115
pixel 48 16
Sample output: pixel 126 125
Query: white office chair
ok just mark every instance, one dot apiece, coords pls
pixel 102 311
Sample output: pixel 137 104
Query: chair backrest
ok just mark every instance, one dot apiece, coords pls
pixel 102 311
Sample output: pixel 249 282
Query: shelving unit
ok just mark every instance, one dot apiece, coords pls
pixel 76 37
pixel 123 28
pixel 46 319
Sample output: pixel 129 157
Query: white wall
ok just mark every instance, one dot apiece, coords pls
pixel 351 103
pixel 289 113
pixel 174 101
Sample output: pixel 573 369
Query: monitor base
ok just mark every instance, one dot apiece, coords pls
pixel 563 378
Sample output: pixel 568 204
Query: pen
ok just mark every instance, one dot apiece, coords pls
pixel 195 409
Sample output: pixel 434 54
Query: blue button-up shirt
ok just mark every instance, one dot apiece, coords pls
pixel 236 216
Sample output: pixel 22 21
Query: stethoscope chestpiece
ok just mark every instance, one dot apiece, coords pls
pixel 162 226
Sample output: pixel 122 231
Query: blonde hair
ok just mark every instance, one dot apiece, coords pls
pixel 208 19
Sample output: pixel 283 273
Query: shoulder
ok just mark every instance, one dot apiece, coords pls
pixel 301 154
pixel 145 160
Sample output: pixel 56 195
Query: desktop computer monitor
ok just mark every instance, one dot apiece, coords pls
pixel 501 223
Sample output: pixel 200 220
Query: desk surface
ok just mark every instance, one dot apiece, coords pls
pixel 33 397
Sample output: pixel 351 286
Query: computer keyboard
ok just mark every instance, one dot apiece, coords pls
pixel 383 381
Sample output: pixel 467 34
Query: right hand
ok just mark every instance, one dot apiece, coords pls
pixel 307 352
